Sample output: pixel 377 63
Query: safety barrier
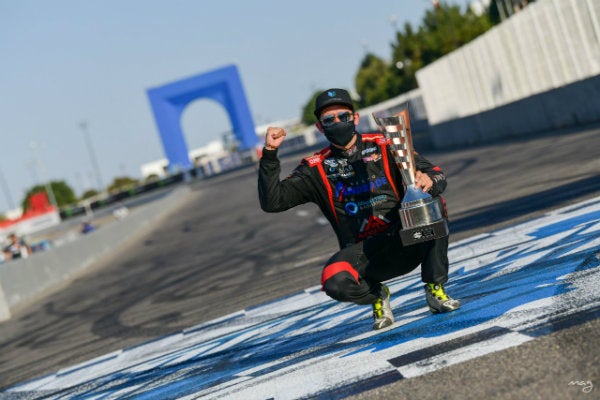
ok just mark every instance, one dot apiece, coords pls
pixel 25 280
pixel 538 70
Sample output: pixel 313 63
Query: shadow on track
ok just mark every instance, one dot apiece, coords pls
pixel 525 205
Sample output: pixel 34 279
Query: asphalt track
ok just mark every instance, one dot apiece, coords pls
pixel 219 254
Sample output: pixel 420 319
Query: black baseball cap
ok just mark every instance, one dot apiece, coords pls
pixel 331 97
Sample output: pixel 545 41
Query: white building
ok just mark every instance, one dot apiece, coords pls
pixel 212 158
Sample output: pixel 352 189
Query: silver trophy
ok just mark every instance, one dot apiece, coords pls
pixel 421 214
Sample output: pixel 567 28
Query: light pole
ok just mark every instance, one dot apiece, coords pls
pixel 365 45
pixel 394 22
pixel 42 166
pixel 9 198
pixel 88 142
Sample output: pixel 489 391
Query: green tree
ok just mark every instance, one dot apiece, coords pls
pixel 122 183
pixel 407 58
pixel 372 80
pixel 439 32
pixel 442 30
pixel 63 194
pixel 89 193
pixel 308 116
pixel 445 29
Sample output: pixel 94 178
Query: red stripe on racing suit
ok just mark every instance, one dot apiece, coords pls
pixel 336 268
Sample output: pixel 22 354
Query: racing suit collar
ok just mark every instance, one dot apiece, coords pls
pixel 342 153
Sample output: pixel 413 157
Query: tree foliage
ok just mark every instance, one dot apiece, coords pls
pixel 89 193
pixel 63 194
pixel 443 29
pixel 308 116
pixel 122 183
pixel 371 80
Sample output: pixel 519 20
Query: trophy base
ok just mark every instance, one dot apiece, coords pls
pixel 424 233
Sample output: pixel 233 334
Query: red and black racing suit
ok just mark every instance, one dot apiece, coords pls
pixel 359 192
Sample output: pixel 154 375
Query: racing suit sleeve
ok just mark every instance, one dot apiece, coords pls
pixel 435 173
pixel 276 195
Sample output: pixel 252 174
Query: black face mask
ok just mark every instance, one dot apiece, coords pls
pixel 340 133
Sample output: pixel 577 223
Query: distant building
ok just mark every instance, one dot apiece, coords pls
pixel 210 159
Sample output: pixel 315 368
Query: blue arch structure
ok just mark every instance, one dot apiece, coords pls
pixel 222 85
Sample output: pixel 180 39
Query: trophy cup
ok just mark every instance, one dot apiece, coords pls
pixel 421 214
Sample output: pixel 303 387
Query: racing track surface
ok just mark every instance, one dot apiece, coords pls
pixel 219 254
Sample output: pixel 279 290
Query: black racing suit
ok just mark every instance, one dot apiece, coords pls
pixel 359 192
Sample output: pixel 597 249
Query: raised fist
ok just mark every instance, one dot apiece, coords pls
pixel 274 137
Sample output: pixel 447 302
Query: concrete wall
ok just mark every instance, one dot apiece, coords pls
pixel 25 280
pixel 572 105
pixel 537 70
pixel 418 116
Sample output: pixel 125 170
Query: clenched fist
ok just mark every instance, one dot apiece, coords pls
pixel 274 137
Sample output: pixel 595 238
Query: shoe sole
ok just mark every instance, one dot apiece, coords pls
pixel 385 325
pixel 437 311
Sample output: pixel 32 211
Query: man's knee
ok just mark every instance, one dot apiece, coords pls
pixel 337 280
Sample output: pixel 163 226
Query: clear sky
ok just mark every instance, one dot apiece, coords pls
pixel 64 62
